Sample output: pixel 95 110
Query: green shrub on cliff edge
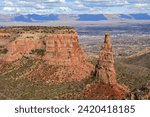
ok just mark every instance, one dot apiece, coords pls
pixel 38 52
pixel 3 51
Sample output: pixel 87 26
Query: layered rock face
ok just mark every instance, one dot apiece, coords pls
pixel 21 47
pixel 105 69
pixel 58 48
pixel 64 49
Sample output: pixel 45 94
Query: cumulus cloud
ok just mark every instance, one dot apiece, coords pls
pixel 73 6
pixel 57 1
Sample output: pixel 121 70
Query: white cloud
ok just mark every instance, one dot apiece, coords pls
pixel 11 9
pixel 74 6
pixel 8 3
pixel 65 10
pixel 8 8
pixel 141 5
pixel 39 6
pixel 57 1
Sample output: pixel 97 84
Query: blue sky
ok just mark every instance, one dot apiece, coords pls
pixel 74 6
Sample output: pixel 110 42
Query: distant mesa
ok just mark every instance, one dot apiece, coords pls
pixel 141 16
pixel 123 16
pixel 36 17
pixel 29 18
pixel 91 17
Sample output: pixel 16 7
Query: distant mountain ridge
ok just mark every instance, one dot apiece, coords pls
pixel 74 17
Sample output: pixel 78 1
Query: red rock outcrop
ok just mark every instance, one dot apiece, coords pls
pixel 60 49
pixel 68 59
pixel 106 73
pixel 100 91
pixel 64 49
pixel 105 69
pixel 21 47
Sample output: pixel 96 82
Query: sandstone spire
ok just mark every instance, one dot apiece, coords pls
pixel 105 69
pixel 107 46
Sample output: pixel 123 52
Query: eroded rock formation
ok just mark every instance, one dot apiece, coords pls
pixel 105 69
pixel 64 49
pixel 106 75
pixel 54 55
pixel 58 47
pixel 21 47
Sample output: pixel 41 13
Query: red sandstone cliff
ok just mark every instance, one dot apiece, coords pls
pixel 21 47
pixel 67 58
pixel 60 49
pixel 64 49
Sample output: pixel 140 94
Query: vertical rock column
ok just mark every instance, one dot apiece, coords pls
pixel 105 69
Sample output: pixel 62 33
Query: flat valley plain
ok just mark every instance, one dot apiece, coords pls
pixel 131 48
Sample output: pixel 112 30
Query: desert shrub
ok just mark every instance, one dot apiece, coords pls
pixel 30 37
pixel 3 51
pixel 1 46
pixel 44 42
pixel 38 52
